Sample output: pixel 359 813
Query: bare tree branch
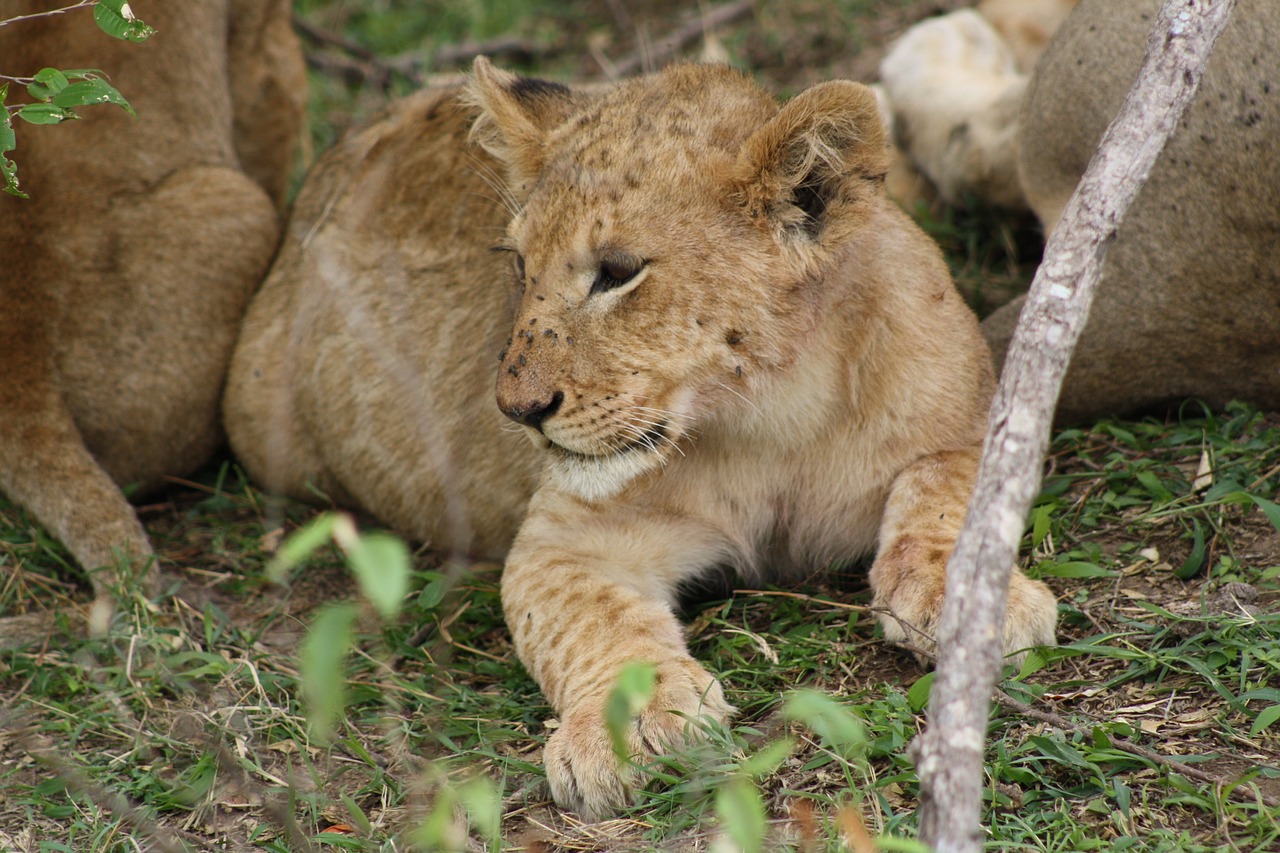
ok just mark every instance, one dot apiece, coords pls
pixel 47 13
pixel 948 754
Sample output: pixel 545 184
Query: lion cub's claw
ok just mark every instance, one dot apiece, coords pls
pixel 584 773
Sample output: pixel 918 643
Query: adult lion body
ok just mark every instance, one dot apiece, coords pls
pixel 731 348
pixel 1189 301
pixel 127 271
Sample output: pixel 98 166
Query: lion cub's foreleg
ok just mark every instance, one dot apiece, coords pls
pixel 922 519
pixel 583 598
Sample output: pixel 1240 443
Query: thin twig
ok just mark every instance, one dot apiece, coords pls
pixel 799 596
pixel 358 65
pixel 46 14
pixel 323 37
pixel 509 47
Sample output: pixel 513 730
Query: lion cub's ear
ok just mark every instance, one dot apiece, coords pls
pixel 516 114
pixel 824 147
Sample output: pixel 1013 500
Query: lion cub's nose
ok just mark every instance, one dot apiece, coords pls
pixel 533 413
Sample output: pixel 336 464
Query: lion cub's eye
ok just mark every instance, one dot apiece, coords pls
pixel 616 269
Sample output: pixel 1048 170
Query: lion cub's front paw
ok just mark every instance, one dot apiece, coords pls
pixel 910 617
pixel 585 775
pixel 1031 618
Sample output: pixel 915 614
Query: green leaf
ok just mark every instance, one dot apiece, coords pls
pixel 741 814
pixel 480 798
pixel 357 814
pixel 439 830
pixel 433 593
pixel 1272 510
pixel 631 694
pixel 322 659
pixel 893 844
pixel 8 142
pixel 918 693
pixel 380 563
pixel 768 758
pixel 1195 560
pixel 1035 661
pixel 1073 569
pixel 1266 717
pixel 300 545
pixel 1061 751
pixel 1041 516
pixel 91 91
pixel 116 19
pixel 1154 486
pixel 45 114
pixel 48 82
pixel 831 720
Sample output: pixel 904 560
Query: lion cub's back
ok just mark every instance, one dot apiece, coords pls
pixel 366 364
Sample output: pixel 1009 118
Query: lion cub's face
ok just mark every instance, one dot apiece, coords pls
pixel 668 252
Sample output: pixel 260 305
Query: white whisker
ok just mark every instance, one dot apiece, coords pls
pixel 495 181
pixel 752 403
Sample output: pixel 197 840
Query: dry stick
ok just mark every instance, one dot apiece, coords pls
pixel 948 755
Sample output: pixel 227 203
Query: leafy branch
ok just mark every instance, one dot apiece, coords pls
pixel 56 93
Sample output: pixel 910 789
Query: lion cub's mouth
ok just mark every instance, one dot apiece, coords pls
pixel 648 441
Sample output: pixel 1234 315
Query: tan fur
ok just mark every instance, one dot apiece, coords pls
pixel 1189 301
pixel 956 89
pixel 126 273
pixel 773 390
pixel 903 183
pixel 1026 25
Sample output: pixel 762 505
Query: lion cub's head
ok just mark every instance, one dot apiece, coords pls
pixel 670 241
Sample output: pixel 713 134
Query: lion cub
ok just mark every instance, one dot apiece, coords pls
pixel 726 345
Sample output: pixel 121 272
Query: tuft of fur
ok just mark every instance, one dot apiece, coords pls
pixel 127 270
pixel 721 341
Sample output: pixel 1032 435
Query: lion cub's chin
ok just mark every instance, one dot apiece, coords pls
pixel 598 478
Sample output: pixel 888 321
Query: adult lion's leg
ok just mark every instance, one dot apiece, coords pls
pixel 44 464
pixel 922 520
pixel 583 599
pixel 267 76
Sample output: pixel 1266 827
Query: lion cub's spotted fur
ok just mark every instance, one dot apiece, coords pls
pixel 727 345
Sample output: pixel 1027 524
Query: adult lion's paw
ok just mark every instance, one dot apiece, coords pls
pixel 584 773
